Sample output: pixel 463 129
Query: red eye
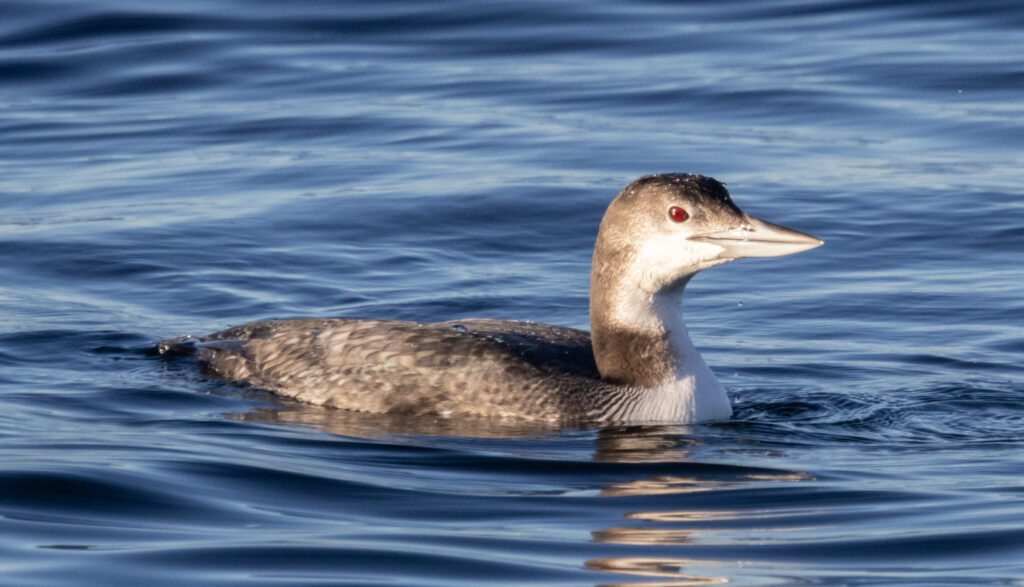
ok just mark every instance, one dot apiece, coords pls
pixel 677 214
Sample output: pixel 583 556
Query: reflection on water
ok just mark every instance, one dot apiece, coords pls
pixel 664 464
pixel 645 444
pixel 681 530
pixel 380 426
pixel 674 568
pixel 641 536
pixel 612 444
pixel 661 485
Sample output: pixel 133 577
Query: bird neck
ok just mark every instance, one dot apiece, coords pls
pixel 641 343
pixel 639 338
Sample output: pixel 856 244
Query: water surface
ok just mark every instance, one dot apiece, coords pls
pixel 179 168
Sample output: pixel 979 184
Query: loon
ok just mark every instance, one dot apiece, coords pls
pixel 637 365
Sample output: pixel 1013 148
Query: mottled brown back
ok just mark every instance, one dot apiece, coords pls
pixel 484 367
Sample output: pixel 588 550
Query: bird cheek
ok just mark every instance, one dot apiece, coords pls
pixel 708 251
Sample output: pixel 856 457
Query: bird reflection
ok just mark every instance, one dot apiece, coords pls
pixel 669 464
pixel 376 426
pixel 622 444
pixel 666 567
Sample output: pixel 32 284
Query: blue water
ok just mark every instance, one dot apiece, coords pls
pixel 179 167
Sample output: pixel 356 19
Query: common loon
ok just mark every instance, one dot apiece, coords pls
pixel 636 365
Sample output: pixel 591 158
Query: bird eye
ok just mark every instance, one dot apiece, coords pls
pixel 677 214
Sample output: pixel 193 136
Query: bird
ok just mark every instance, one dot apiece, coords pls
pixel 636 365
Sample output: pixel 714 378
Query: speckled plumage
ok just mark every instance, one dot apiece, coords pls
pixel 641 366
pixel 480 367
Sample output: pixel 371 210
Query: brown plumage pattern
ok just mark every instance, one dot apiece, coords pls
pixel 505 368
